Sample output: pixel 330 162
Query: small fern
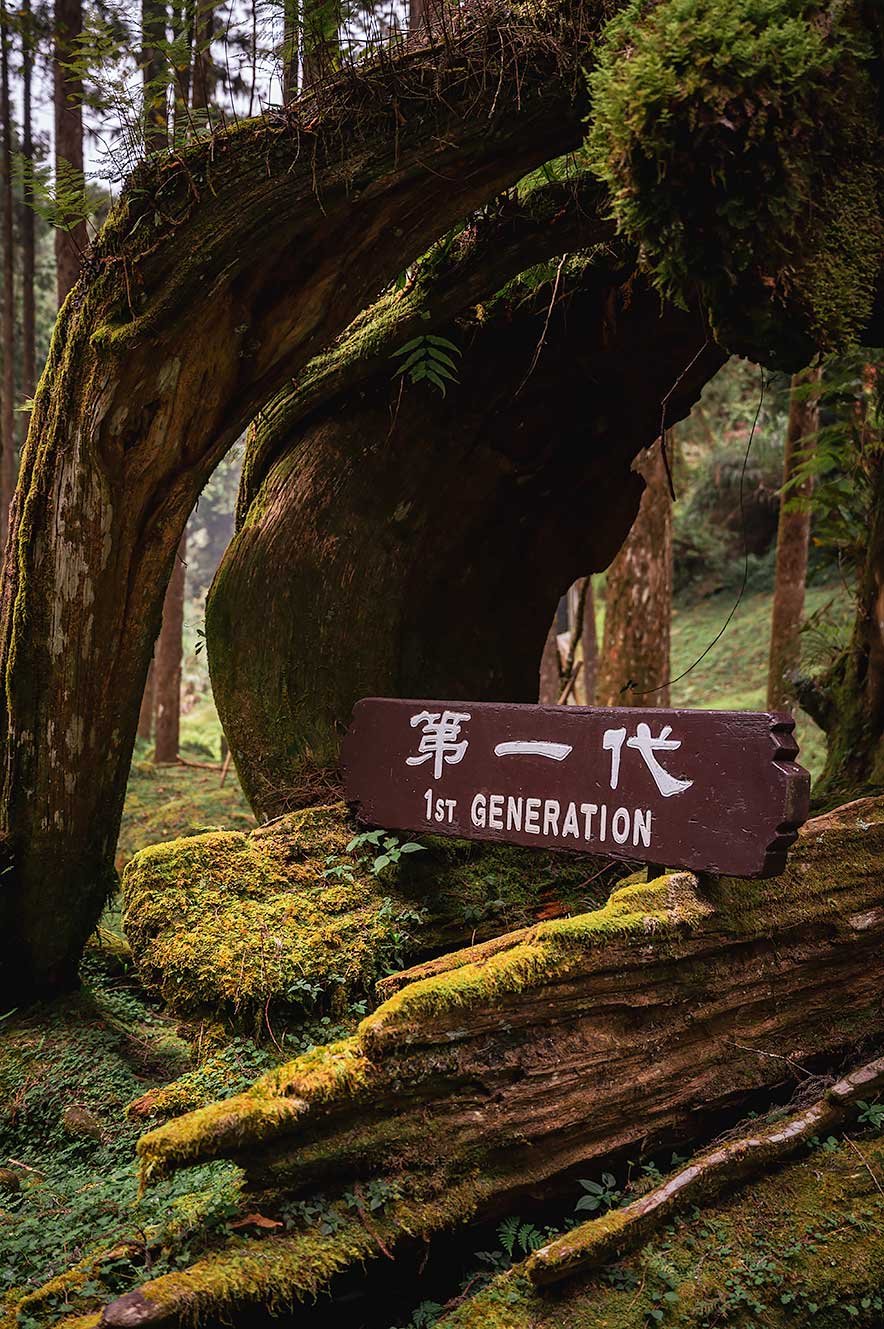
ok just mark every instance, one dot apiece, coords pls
pixel 428 358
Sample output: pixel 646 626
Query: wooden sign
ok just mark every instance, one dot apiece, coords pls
pixel 715 791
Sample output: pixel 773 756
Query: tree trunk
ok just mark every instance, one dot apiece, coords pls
pixel 284 677
pixel 167 664
pixel 7 323
pixel 634 668
pixel 153 74
pixel 148 705
pixel 291 33
pixel 793 541
pixel 589 639
pixel 322 51
pixel 154 376
pixel 70 239
pixel 203 80
pixel 26 220
pixel 550 666
pixel 498 1072
pixel 183 26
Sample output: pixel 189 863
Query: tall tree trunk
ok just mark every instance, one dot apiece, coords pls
pixel 848 701
pixel 638 600
pixel 322 50
pixel 153 70
pixel 589 639
pixel 148 699
pixel 793 540
pixel 26 220
pixel 167 664
pixel 291 41
pixel 550 683
pixel 70 240
pixel 7 323
pixel 203 77
pixel 183 26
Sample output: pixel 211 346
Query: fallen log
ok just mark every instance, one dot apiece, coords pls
pixel 613 1234
pixel 525 1058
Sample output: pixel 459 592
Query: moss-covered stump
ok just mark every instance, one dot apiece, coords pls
pixel 804 1245
pixel 523 1059
pixel 286 922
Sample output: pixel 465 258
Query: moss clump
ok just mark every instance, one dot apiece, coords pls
pixel 286 922
pixel 739 142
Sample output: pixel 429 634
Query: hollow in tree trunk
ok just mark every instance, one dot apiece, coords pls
pixel 793 541
pixel 638 600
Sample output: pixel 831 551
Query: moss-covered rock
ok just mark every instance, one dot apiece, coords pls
pixel 740 143
pixel 287 921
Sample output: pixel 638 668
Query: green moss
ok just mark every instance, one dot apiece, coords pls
pixel 284 921
pixel 802 1245
pixel 739 142
pixel 667 906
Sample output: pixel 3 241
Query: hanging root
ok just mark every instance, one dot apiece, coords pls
pixel 615 1234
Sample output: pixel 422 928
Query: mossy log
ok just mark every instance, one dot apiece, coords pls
pixel 406 522
pixel 283 923
pixel 500 1070
pixel 620 1231
pixel 804 1244
pixel 222 270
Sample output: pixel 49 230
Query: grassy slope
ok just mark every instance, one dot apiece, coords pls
pixel 733 676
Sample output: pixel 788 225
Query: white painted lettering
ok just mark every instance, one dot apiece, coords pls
pixel 495 812
pixel 532 809
pixel 641 827
pixel 620 825
pixel 477 811
pixel 514 814
pixel 551 817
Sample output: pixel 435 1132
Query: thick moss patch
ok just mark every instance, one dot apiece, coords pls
pixel 285 921
pixel 739 142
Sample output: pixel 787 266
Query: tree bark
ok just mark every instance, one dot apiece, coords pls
pixel 153 70
pixel 7 323
pixel 285 678
pixel 291 33
pixel 167 664
pixel 156 371
pixel 550 666
pixel 793 541
pixel 634 668
pixel 148 703
pixel 502 1069
pixel 26 220
pixel 70 240
pixel 321 35
pixel 203 79
pixel 589 639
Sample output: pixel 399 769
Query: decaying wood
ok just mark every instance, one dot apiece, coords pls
pixel 612 1235
pixel 503 1067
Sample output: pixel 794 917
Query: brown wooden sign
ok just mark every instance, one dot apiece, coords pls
pixel 715 791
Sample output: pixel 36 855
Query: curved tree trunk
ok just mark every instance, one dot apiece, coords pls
pixel 398 519
pixel 793 541
pixel 634 667
pixel 192 312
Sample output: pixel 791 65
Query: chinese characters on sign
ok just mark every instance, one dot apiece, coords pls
pixel 716 791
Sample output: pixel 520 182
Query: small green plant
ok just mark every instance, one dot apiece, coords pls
pixel 600 1195
pixel 428 358
pixel 871 1114
pixel 390 846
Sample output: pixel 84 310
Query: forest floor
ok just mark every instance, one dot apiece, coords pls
pixel 69 1070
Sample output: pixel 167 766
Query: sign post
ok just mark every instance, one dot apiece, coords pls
pixel 713 791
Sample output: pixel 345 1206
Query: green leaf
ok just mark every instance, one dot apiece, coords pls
pixel 410 346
